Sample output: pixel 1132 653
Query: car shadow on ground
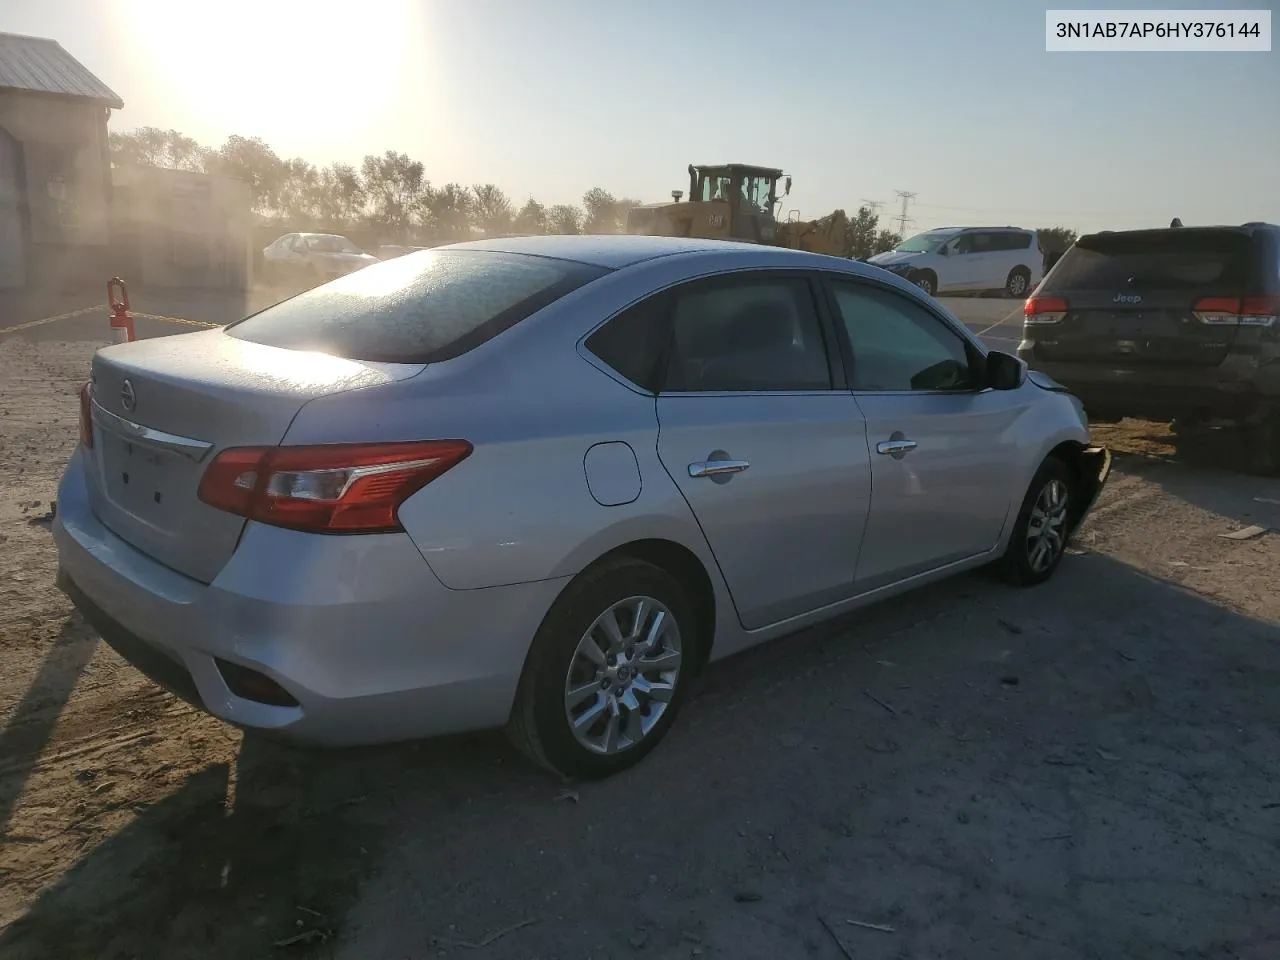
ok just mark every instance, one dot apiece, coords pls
pixel 31 724
pixel 1082 769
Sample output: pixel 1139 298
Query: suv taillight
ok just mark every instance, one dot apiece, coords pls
pixel 1044 310
pixel 330 488
pixel 1261 311
pixel 86 415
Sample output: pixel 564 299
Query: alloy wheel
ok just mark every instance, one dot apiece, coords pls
pixel 1047 526
pixel 623 675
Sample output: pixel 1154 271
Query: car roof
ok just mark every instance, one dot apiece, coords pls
pixel 1245 229
pixel 615 251
pixel 968 229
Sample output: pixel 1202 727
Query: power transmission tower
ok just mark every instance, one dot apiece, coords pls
pixel 873 205
pixel 906 197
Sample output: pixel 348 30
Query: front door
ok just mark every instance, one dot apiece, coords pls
pixel 940 448
pixel 770 458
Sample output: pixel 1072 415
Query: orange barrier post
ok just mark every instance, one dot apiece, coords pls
pixel 122 326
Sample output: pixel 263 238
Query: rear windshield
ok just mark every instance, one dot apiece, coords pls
pixel 419 308
pixel 1172 260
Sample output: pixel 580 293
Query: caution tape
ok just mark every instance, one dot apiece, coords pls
pixel 83 310
pixel 999 323
pixel 43 320
pixel 190 323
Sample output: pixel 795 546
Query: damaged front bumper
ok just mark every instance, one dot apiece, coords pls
pixel 1094 466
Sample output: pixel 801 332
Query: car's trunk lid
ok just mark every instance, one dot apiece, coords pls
pixel 165 407
pixel 1131 298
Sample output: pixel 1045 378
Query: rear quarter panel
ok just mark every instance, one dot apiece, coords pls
pixel 519 508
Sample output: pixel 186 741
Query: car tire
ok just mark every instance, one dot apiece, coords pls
pixel 1018 284
pixel 926 280
pixel 1261 446
pixel 1045 510
pixel 562 679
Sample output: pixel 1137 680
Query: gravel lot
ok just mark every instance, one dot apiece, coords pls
pixel 1081 770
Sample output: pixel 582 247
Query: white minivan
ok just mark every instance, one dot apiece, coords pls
pixel 968 260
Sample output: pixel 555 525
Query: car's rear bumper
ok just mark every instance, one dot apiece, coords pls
pixel 1232 389
pixel 365 641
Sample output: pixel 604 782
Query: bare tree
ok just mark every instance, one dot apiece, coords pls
pixel 886 240
pixel 341 195
pixel 491 209
pixel 564 218
pixel 248 158
pixel 153 147
pixel 600 211
pixel 396 189
pixel 451 206
pixel 299 197
pixel 532 218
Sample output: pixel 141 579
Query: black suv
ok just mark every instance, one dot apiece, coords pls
pixel 1180 324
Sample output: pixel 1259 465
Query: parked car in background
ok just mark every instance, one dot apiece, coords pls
pixel 312 257
pixel 968 260
pixel 540 482
pixel 1179 324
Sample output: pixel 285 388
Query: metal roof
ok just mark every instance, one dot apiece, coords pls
pixel 38 65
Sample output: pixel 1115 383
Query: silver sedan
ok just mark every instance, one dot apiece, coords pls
pixel 540 482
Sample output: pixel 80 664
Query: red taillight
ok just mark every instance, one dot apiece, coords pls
pixel 1261 311
pixel 1044 310
pixel 86 415
pixel 332 488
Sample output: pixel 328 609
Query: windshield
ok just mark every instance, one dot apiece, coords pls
pixel 923 243
pixel 757 193
pixel 417 309
pixel 332 245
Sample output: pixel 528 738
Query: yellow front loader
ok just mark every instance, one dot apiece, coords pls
pixel 737 201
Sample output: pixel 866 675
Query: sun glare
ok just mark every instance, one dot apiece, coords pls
pixel 293 73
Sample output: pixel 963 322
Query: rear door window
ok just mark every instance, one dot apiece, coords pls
pixel 418 309
pixel 743 334
pixel 1172 260
pixel 631 343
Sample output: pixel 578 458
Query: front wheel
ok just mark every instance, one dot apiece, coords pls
pixel 1261 446
pixel 1018 282
pixel 607 671
pixel 926 281
pixel 1040 533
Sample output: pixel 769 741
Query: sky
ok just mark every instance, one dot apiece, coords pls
pixel 956 102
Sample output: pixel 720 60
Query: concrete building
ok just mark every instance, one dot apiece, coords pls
pixel 55 171
pixel 175 228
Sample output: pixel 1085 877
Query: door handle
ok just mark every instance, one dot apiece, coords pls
pixel 895 448
pixel 717 468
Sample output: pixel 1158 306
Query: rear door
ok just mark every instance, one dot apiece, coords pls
pixel 1131 298
pixel 771 458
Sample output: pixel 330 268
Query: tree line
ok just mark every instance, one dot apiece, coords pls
pixel 391 196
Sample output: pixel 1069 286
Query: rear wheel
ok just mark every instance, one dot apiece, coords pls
pixel 607 672
pixel 1018 283
pixel 1040 533
pixel 926 280
pixel 1261 446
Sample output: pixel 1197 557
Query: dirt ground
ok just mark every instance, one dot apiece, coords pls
pixel 1086 769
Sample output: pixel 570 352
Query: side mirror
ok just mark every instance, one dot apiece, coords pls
pixel 787 186
pixel 1005 372
pixel 944 251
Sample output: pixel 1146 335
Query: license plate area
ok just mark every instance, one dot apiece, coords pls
pixel 140 479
